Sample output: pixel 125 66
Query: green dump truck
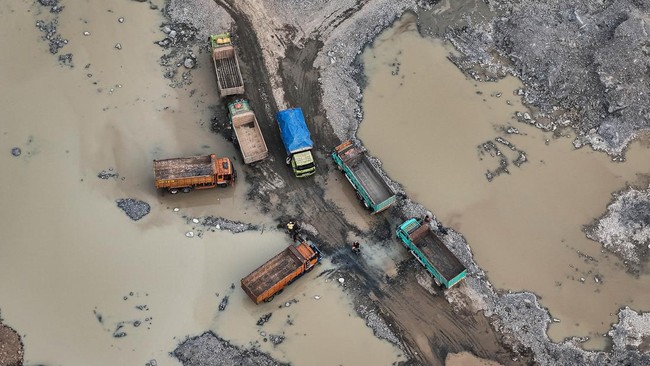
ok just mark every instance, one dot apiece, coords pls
pixel 431 252
pixel 370 186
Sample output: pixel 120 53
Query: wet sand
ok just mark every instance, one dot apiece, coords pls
pixel 525 226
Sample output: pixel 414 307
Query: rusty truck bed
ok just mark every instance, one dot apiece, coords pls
pixel 179 168
pixel 272 272
pixel 437 252
pixel 249 135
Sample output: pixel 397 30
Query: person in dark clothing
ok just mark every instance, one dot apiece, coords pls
pixel 356 247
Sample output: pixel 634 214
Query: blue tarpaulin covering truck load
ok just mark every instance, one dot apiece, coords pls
pixel 297 141
pixel 431 252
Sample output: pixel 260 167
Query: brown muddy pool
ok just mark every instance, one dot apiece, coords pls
pixel 75 271
pixel 436 132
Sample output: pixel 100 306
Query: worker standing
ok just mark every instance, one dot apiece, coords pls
pixel 356 247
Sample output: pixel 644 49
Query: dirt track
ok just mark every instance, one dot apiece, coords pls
pixel 428 325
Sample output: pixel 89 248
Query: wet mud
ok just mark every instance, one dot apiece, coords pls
pixel 387 289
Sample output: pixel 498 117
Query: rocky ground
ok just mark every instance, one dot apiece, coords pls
pixel 305 53
pixel 625 228
pixel 209 349
pixel 584 64
pixel 11 346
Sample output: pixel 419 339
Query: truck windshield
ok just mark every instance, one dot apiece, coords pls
pixel 305 167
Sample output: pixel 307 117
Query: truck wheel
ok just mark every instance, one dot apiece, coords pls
pixel 186 190
pixel 363 202
pixel 173 190
pixel 269 299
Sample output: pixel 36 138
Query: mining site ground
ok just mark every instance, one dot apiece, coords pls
pixel 427 324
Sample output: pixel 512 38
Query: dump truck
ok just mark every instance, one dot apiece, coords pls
pixel 431 252
pixel 281 270
pixel 297 141
pixel 226 65
pixel 248 134
pixel 196 172
pixel 370 186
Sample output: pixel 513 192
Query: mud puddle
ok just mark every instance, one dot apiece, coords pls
pixel 445 137
pixel 316 321
pixel 75 271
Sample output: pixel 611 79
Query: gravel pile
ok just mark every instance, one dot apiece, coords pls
pixel 209 349
pixel 378 325
pixel 204 15
pixel 134 209
pixel 625 228
pixel 219 223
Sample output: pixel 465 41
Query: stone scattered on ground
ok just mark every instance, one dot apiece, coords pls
pixel 16 151
pixel 224 303
pixel 625 228
pixel 134 209
pixel 209 349
pixel 108 174
pixel 263 319
pixel 214 223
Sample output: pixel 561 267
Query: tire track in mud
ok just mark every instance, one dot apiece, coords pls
pixel 428 326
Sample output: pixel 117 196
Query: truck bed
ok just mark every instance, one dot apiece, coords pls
pixel 251 141
pixel 273 271
pixel 179 168
pixel 437 252
pixel 370 179
pixel 228 73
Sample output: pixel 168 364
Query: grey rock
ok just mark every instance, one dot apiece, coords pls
pixel 134 209
pixel 209 349
pixel 16 151
pixel 189 63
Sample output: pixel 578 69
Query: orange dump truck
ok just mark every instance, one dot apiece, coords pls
pixel 196 172
pixel 274 275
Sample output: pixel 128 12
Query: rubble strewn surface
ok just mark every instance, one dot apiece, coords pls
pixel 625 228
pixel 584 64
pixel 209 349
pixel 134 209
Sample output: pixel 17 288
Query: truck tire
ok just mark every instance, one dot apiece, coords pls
pixel 269 299
pixel 186 190
pixel 363 202
pixel 173 190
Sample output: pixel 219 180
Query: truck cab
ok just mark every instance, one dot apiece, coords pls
pixel 303 164
pixel 226 173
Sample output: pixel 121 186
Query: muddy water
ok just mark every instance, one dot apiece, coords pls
pixel 318 320
pixel 74 269
pixel 525 226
